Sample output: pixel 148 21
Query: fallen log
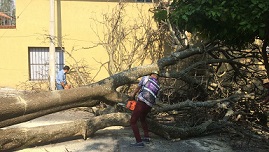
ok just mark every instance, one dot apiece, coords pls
pixel 31 116
pixel 14 138
pixel 104 90
pixel 221 103
pixel 19 138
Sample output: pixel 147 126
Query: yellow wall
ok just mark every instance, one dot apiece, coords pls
pixel 32 29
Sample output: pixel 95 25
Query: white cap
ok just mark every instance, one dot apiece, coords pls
pixel 155 72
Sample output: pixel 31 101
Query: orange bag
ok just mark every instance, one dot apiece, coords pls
pixel 131 104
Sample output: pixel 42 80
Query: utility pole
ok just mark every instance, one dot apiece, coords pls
pixel 52 46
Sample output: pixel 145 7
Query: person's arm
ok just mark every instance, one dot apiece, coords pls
pixel 62 83
pixel 135 91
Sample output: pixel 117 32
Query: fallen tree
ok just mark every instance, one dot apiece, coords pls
pixel 29 106
pixel 17 109
pixel 206 77
pixel 24 137
pixel 13 138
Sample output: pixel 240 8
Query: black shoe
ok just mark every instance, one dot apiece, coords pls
pixel 140 145
pixel 146 140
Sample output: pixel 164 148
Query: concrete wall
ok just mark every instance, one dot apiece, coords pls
pixel 75 28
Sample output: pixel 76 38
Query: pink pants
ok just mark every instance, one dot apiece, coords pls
pixel 140 112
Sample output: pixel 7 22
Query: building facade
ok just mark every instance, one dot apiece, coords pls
pixel 24 48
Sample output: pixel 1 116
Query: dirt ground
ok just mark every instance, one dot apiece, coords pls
pixel 118 138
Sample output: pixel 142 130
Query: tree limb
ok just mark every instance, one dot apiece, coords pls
pixel 13 138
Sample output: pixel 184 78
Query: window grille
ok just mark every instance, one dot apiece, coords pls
pixel 39 62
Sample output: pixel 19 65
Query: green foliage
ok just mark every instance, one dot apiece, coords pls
pixel 160 15
pixel 6 5
pixel 234 22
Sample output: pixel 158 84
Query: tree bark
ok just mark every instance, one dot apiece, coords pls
pixel 105 90
pixel 18 138
pixel 31 116
pixel 189 103
pixel 25 107
pixel 13 138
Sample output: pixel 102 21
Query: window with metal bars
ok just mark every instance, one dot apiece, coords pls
pixel 39 62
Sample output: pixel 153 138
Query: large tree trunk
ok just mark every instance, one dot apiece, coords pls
pixel 40 113
pixel 14 138
pixel 25 137
pixel 25 107
pixel 29 106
